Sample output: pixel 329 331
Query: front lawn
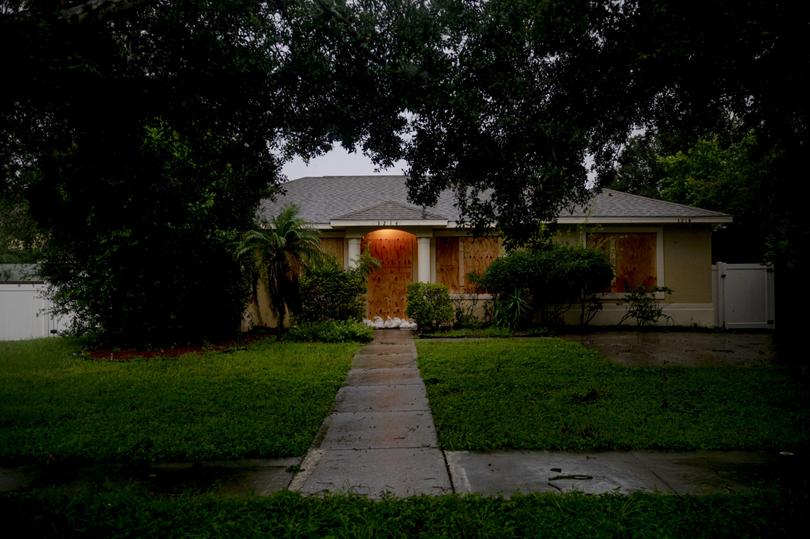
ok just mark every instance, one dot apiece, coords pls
pixel 129 513
pixel 548 393
pixel 267 400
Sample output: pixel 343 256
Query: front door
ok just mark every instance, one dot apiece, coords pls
pixel 388 284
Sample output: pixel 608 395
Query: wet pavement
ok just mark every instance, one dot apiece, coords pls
pixel 701 472
pixel 380 438
pixel 681 348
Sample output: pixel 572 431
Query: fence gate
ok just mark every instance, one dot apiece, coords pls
pixel 744 296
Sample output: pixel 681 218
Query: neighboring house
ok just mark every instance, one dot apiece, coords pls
pixel 24 310
pixel 649 242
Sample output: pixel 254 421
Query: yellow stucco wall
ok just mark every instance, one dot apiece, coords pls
pixel 688 263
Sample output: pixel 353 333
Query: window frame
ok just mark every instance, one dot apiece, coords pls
pixel 659 253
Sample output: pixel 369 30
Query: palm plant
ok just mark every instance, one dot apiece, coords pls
pixel 277 255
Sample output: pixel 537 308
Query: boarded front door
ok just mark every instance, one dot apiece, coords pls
pixel 388 285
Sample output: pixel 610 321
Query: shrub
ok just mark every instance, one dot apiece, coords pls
pixel 643 307
pixel 332 331
pixel 330 293
pixel 429 305
pixel 547 282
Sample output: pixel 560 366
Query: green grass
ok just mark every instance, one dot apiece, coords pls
pixel 129 513
pixel 264 401
pixel 552 394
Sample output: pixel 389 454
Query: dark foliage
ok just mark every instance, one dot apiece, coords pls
pixel 330 293
pixel 430 306
pixel 544 282
pixel 332 331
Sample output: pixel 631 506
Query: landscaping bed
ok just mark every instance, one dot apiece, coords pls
pixel 266 399
pixel 548 393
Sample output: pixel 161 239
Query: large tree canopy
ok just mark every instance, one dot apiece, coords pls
pixel 145 133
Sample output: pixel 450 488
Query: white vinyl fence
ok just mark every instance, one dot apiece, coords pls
pixel 25 314
pixel 743 296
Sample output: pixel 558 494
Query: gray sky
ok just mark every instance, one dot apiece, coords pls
pixel 338 162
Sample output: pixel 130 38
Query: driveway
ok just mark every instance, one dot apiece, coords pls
pixel 681 348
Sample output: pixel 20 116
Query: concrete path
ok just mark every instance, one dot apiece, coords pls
pixel 701 472
pixel 380 437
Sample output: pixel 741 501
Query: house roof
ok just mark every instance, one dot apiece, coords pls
pixel 337 201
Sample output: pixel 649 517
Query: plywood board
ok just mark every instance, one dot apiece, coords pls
pixel 333 247
pixel 477 255
pixel 632 256
pixel 388 284
pixel 447 263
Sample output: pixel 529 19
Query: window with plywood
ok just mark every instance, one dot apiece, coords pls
pixel 632 255
pixel 457 257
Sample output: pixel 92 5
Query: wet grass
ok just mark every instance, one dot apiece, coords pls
pixel 552 394
pixel 266 400
pixel 130 513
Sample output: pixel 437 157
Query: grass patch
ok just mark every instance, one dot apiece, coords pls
pixel 267 400
pixel 129 513
pixel 554 394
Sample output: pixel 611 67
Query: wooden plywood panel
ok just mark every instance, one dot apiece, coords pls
pixel 388 284
pixel 333 247
pixel 632 256
pixel 447 265
pixel 477 255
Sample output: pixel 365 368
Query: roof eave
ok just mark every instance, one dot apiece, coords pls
pixel 718 219
pixel 341 223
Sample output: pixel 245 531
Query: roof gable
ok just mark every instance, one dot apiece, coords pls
pixel 390 210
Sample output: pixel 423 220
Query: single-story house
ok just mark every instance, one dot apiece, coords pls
pixel 649 242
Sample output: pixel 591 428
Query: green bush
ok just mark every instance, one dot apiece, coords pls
pixel 546 282
pixel 332 331
pixel 330 293
pixel 429 305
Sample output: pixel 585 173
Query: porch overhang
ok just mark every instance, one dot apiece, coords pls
pixel 387 223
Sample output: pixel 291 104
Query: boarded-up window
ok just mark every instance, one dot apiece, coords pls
pixel 633 256
pixel 447 268
pixel 477 255
pixel 333 247
pixel 457 257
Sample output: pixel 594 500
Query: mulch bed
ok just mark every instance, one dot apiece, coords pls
pixel 128 354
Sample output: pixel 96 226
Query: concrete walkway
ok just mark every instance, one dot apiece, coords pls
pixel 380 437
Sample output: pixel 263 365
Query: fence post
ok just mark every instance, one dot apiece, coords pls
pixel 721 295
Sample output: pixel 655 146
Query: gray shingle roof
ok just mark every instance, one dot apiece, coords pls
pixel 390 210
pixel 610 203
pixel 323 199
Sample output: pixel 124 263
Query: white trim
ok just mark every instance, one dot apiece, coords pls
pixel 659 254
pixel 641 220
pixel 384 223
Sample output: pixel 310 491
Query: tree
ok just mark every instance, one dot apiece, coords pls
pixel 723 173
pixel 280 253
pixel 143 136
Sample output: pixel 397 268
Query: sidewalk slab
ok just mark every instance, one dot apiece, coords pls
pixel 373 472
pixel 409 398
pixel 379 430
pixel 702 472
pixel 375 349
pixel 387 377
pixel 384 361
